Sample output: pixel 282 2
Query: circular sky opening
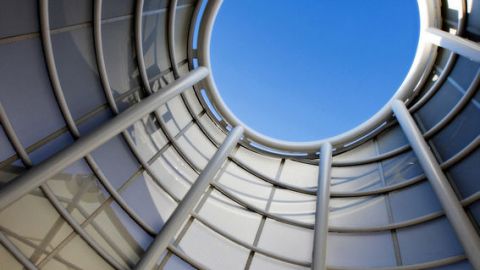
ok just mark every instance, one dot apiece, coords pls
pixel 307 70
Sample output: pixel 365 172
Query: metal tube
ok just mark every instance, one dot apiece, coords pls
pixel 453 209
pixel 34 177
pixel 462 46
pixel 185 207
pixel 322 208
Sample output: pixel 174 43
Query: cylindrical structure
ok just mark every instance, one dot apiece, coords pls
pixel 112 129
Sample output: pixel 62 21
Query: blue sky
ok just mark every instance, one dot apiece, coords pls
pixel 310 69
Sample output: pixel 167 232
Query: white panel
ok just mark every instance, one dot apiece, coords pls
pixel 365 150
pixel 261 164
pixel 196 146
pixel 231 218
pixel 212 129
pixel 287 240
pixel 175 115
pixel 18 218
pixel 142 141
pixel 163 202
pixel 261 262
pixel 192 100
pixel 182 25
pixel 211 249
pixel 76 253
pixel 173 172
pixel 360 250
pixel 7 261
pixel 294 205
pixel 429 241
pixel 241 183
pixel 175 263
pixel 299 174
pixel 363 211
pixel 355 178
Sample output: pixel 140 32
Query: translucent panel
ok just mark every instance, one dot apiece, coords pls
pixel 355 178
pixel 48 230
pixel 294 205
pixel 220 254
pixel 119 232
pixel 196 146
pixel 428 241
pixel 182 26
pixel 149 201
pixel 364 150
pixel 164 203
pixel 118 49
pixel 261 262
pixel 175 115
pixel 401 168
pixel 77 70
pixel 464 72
pixel 173 172
pixel 143 143
pixel 354 212
pixel 414 201
pixel 241 183
pixel 212 129
pixel 261 164
pixel 465 175
pixel 94 122
pixel 230 217
pixel 391 139
pixel 295 242
pixel 175 263
pixel 155 48
pixel 75 253
pixel 192 100
pixel 7 261
pixel 119 168
pixel 360 250
pixel 17 17
pixel 156 134
pixel 459 133
pixel 50 148
pixel 438 106
pixel 28 102
pixel 62 15
pixel 299 174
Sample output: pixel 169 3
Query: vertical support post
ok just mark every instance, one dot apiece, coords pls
pixel 185 207
pixel 453 209
pixel 322 208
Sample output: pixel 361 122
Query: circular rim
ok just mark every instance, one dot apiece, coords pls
pixel 422 64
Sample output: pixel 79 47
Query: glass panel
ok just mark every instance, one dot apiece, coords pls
pixel 294 205
pixel 241 183
pixel 294 243
pixel 356 178
pixel 196 146
pixel 360 250
pixel 414 201
pixel 354 212
pixel 220 254
pixel 427 242
pixel 230 217
pixel 261 262
pixel 299 174
pixel 261 164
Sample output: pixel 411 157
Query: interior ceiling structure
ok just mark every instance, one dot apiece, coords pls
pixel 117 151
